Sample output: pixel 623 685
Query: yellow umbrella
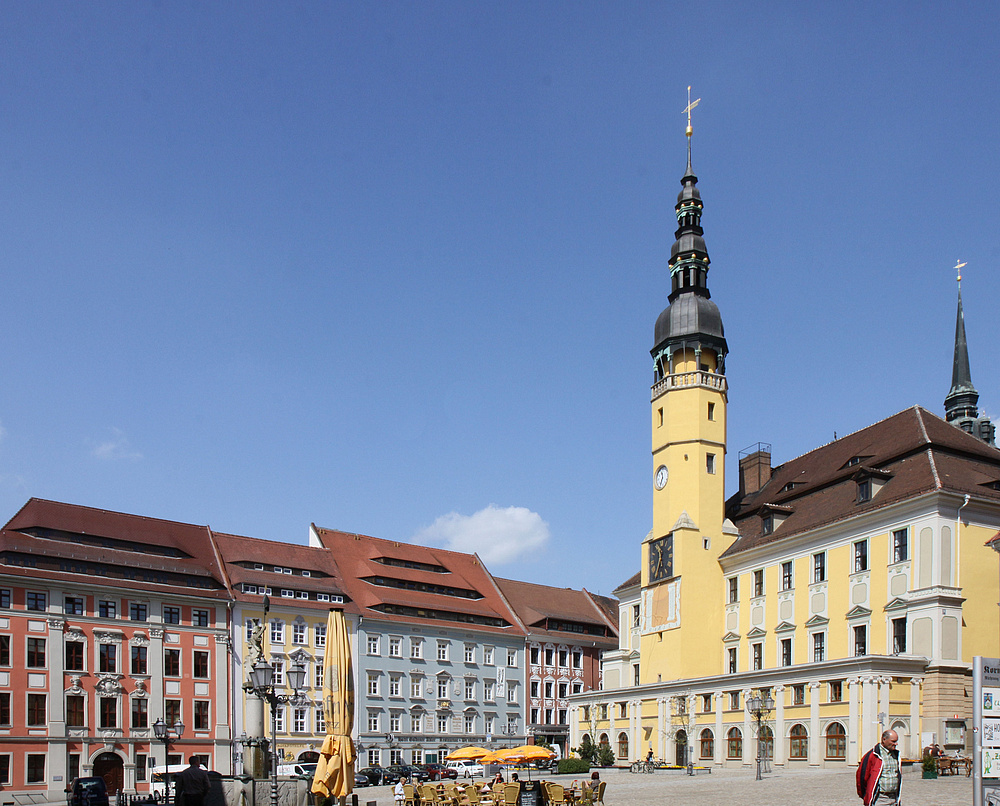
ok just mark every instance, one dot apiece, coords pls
pixel 469 752
pixel 532 752
pixel 335 769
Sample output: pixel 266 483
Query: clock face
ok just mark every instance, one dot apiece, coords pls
pixel 661 477
pixel 661 558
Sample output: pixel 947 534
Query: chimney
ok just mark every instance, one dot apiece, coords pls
pixel 755 468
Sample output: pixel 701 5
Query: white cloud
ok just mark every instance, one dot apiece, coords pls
pixel 499 535
pixel 115 447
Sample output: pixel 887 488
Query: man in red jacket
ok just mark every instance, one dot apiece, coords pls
pixel 879 774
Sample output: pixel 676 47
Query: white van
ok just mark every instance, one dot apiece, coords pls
pixel 160 777
pixel 307 770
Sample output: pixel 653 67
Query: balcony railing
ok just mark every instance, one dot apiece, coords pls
pixel 684 380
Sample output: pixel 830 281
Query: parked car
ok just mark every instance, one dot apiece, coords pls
pixel 436 772
pixel 88 792
pixel 466 768
pixel 360 780
pixel 410 771
pixel 307 770
pixel 379 776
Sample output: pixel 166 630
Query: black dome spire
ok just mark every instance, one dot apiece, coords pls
pixel 691 316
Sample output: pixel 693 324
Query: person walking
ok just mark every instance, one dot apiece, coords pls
pixel 879 775
pixel 192 784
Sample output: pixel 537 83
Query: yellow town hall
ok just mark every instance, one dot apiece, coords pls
pixel 835 595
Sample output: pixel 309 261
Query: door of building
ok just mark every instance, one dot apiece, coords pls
pixel 111 768
pixel 680 756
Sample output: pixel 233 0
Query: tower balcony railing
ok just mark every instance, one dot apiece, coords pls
pixel 684 380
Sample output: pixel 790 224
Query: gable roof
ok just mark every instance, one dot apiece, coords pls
pixel 428 585
pixel 123 550
pixel 242 554
pixel 910 453
pixel 544 609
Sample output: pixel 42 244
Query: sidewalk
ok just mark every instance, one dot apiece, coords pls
pixel 813 787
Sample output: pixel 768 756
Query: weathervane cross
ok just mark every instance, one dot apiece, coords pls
pixel 958 268
pixel 687 111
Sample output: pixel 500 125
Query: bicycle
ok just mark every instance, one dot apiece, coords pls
pixel 642 766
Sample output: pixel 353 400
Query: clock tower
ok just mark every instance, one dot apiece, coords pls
pixel 682 584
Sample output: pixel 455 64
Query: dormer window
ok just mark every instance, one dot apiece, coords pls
pixel 854 460
pixel 772 516
pixel 869 480
pixel 788 487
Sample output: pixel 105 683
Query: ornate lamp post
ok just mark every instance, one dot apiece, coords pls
pixel 262 684
pixel 161 730
pixel 760 709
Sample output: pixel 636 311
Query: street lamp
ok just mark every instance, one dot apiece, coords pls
pixel 262 684
pixel 760 708
pixel 161 730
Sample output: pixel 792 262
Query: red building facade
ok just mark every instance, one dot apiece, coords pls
pixel 108 622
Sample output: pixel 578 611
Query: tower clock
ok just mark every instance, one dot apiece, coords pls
pixel 661 558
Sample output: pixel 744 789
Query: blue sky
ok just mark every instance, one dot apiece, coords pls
pixel 394 267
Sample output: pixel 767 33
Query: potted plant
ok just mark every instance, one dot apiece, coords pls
pixel 929 765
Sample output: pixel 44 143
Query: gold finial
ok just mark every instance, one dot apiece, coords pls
pixel 687 110
pixel 958 268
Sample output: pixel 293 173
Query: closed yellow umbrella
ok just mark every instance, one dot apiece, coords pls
pixel 335 769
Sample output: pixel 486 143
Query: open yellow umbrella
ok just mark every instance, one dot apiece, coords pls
pixel 470 752
pixel 532 752
pixel 335 769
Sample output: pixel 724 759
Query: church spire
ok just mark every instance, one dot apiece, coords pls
pixel 961 402
pixel 691 320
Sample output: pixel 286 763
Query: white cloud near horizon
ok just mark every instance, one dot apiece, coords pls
pixel 499 535
pixel 116 447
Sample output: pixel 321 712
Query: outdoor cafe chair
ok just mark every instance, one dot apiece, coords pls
pixel 555 794
pixel 511 793
pixel 409 795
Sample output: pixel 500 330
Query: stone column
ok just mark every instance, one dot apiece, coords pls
pixel 719 736
pixel 220 703
pixel 660 729
pixel 915 750
pixel 814 689
pixel 869 712
pixel 779 726
pixel 670 748
pixel 749 739
pixel 56 662
pixel 635 743
pixel 853 753
pixel 884 686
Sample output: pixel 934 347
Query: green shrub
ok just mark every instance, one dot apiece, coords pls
pixel 573 766
pixel 605 755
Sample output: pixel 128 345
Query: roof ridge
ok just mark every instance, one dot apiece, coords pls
pixel 933 464
pixel 845 436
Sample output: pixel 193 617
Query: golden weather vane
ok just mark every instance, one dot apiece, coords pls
pixel 687 111
pixel 958 268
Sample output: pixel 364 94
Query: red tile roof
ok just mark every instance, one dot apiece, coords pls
pixel 381 575
pixel 130 551
pixel 536 604
pixel 910 453
pixel 240 551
